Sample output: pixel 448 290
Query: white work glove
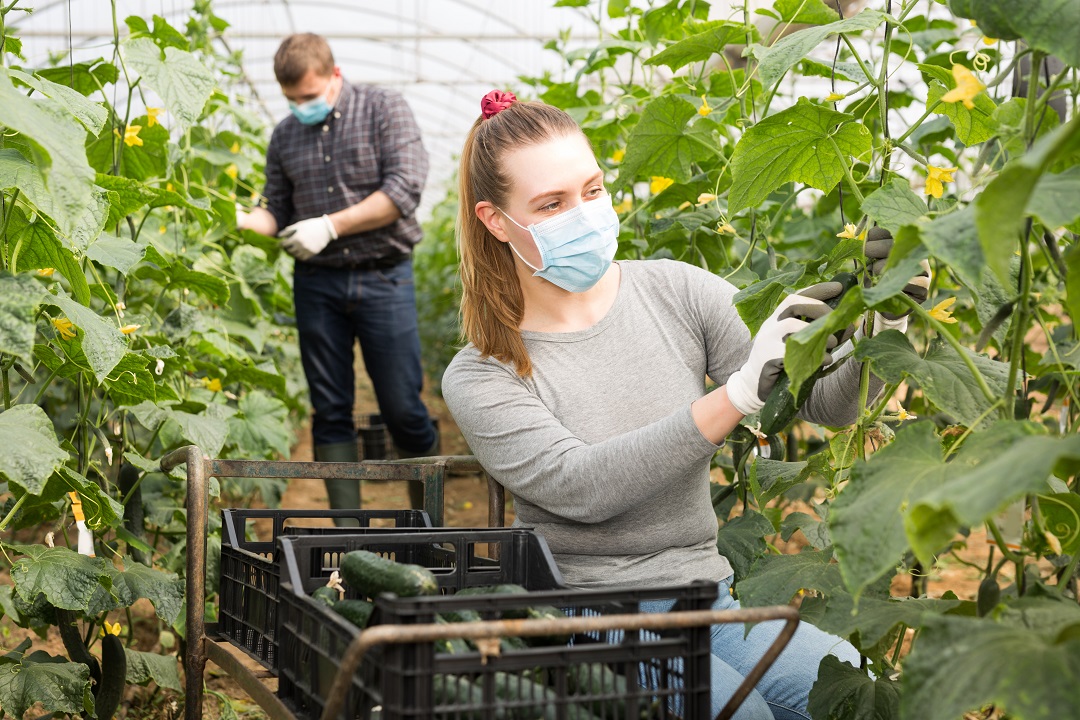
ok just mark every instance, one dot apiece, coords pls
pixel 242 216
pixel 307 238
pixel 749 386
pixel 879 243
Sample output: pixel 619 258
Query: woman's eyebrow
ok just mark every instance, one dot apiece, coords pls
pixel 555 193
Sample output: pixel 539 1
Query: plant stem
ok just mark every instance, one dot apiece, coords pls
pixel 915 125
pixel 967 431
pixel 847 170
pixel 1012 557
pixel 960 349
pixel 862 66
pixel 1019 325
pixel 7 389
pixel 1066 576
pixel 11 514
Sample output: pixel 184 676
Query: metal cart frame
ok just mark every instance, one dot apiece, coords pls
pixel 432 472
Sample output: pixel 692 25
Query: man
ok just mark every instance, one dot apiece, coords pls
pixel 343 178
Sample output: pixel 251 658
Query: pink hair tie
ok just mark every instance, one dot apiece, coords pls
pixel 495 102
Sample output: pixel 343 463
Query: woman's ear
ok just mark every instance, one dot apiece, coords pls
pixel 492 219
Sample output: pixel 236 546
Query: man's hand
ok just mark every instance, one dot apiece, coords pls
pixel 749 386
pixel 879 242
pixel 307 238
pixel 243 217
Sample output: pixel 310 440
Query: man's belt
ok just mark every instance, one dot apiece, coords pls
pixel 382 263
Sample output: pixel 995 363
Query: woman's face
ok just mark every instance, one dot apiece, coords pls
pixel 546 179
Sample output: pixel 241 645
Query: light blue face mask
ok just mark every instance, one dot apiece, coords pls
pixel 577 246
pixel 314 111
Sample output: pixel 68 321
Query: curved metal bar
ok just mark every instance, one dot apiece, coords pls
pixel 387 634
pixel 249 683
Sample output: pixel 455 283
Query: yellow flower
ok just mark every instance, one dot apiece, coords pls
pixel 704 110
pixel 725 228
pixel 168 187
pixel 212 384
pixel 131 135
pixel 989 40
pixel 705 198
pixel 65 327
pixel 152 116
pixel 46 272
pixel 162 230
pixel 625 205
pixel 935 176
pixel 618 155
pixel 967 87
pixel 235 147
pixel 685 204
pixel 467 505
pixel 941 311
pixel 110 628
pixel 1053 541
pixel 849 233
pixel 232 171
pixel 905 415
pixel 659 184
pixel 129 329
pixel 834 96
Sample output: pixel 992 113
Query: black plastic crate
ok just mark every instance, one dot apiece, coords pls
pixel 248 589
pixel 629 675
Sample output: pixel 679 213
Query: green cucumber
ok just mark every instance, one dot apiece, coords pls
pixel 542 700
pixel 358 612
pixel 110 691
pixel 459 616
pixel 780 407
pixel 452 646
pixel 372 574
pixel 505 589
pixel 326 594
pixel 452 691
pixel 607 689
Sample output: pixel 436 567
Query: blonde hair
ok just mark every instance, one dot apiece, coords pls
pixel 492 305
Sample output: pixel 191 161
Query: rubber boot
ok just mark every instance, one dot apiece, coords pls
pixel 416 490
pixel 343 494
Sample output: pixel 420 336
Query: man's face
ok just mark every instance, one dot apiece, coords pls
pixel 313 85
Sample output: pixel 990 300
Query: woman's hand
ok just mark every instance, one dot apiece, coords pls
pixel 750 385
pixel 879 243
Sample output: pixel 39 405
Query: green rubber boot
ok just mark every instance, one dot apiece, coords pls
pixel 343 494
pixel 416 490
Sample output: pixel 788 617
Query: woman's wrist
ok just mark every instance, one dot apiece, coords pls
pixel 714 415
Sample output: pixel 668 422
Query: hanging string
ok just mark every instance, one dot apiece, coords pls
pixel 832 88
pixel 71 61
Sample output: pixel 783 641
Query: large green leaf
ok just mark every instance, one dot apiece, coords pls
pixel 1054 200
pixel 30 452
pixel 1001 209
pixel 212 288
pixel 117 253
pixel 874 618
pixel 844 692
pixel 59 685
pixel 742 540
pixel 102 342
pixel 805 143
pixel 183 82
pixel 19 297
pixel 960 664
pixel 756 302
pixel 776 579
pixel 869 519
pixel 972 126
pixel 164 589
pixel 700 46
pixel 39 248
pixel 808 12
pixel 1072 284
pixel 57 140
pixel 776 60
pixel 660 145
pixel 130 382
pixel 1061 516
pixel 67 579
pixel 894 205
pixel 1047 25
pixel 205 430
pixel 772 478
pixel 968 498
pixel 87 77
pixel 125 195
pixel 261 429
pixel 91 114
pixel 142 667
pixel 941 374
pixel 102 512
pixel 953 240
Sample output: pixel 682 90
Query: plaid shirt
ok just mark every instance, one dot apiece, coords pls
pixel 370 141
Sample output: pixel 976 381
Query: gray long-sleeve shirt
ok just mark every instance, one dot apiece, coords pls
pixel 598 446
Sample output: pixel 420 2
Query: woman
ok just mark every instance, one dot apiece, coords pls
pixel 582 390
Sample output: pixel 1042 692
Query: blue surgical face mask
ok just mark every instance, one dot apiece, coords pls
pixel 577 246
pixel 314 111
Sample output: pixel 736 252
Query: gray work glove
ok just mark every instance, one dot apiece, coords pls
pixel 749 386
pixel 879 243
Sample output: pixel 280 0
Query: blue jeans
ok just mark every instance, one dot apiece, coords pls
pixel 783 692
pixel 335 307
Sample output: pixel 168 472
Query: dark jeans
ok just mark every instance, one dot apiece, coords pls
pixel 334 308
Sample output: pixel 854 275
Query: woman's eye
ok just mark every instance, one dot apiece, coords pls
pixel 550 206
